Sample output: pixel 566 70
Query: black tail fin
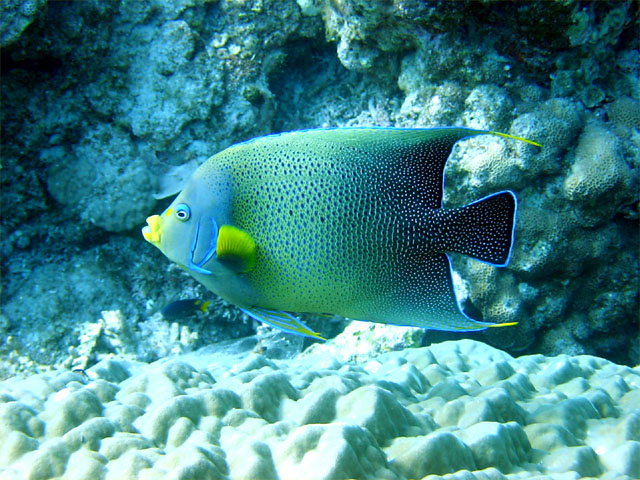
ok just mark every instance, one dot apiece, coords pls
pixel 484 229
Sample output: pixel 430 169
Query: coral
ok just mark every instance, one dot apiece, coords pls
pixel 586 67
pixel 174 47
pixel 437 453
pixel 460 409
pixel 89 180
pixel 494 163
pixel 543 229
pixel 368 35
pixel 493 167
pixel 556 124
pixel 561 230
pixel 102 334
pixel 310 7
pixel 362 340
pixel 600 180
pixel 47 290
pixel 158 338
pixel 508 305
pixel 431 105
pixel 487 105
pixel 113 334
pixel 16 16
pixel 446 83
pixel 482 277
pixel 159 106
pixel 624 111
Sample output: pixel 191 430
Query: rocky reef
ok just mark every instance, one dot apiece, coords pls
pixel 456 410
pixel 109 106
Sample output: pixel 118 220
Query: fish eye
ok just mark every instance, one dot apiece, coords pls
pixel 183 212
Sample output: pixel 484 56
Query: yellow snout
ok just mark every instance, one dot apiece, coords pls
pixel 151 232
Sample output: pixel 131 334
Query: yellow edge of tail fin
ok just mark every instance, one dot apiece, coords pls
pixel 508 324
pixel 506 135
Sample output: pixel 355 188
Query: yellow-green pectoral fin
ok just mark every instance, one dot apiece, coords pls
pixel 282 321
pixel 236 249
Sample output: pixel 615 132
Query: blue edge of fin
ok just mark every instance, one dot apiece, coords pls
pixel 287 322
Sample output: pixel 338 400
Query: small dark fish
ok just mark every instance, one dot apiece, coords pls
pixel 81 371
pixel 184 308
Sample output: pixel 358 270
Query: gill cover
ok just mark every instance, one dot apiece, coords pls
pixel 233 247
pixel 197 243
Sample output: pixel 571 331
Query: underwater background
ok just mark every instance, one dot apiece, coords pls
pixel 107 107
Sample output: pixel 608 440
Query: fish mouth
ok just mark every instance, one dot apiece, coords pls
pixel 210 251
pixel 151 231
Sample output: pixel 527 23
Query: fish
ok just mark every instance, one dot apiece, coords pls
pixel 184 308
pixel 344 221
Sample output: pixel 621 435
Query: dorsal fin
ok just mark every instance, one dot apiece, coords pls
pixel 416 157
pixel 413 158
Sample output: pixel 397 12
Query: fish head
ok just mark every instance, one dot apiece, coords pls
pixel 187 231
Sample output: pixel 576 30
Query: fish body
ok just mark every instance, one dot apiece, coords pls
pixel 335 221
pixel 184 308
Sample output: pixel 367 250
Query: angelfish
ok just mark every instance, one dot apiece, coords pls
pixel 345 221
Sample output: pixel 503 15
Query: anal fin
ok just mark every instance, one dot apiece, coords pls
pixel 424 297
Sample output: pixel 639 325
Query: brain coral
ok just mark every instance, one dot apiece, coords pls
pixel 624 111
pixel 599 180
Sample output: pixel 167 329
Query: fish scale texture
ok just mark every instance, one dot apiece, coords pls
pixel 455 410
